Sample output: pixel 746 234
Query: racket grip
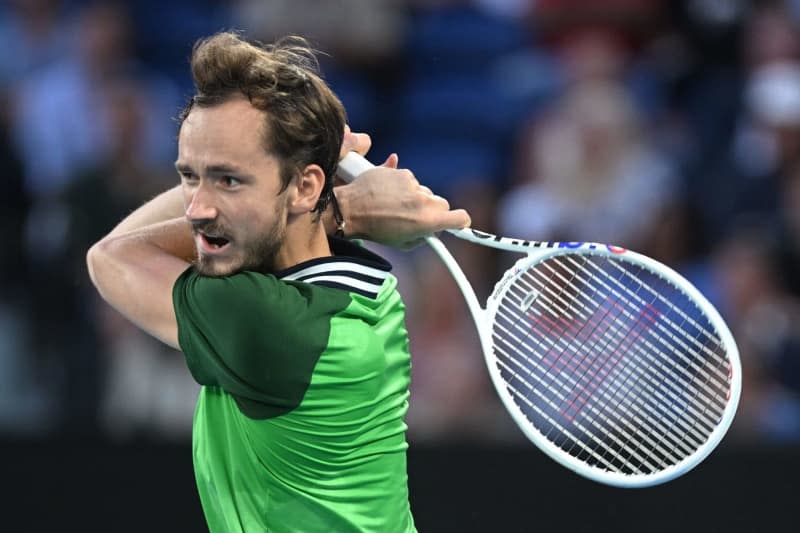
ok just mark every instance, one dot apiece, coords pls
pixel 352 166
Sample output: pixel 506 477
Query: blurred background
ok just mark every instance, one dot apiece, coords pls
pixel 668 127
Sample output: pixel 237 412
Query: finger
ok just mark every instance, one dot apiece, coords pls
pixel 440 202
pixel 391 161
pixel 409 245
pixel 363 143
pixel 455 219
pixel 426 190
pixel 348 141
pixel 354 142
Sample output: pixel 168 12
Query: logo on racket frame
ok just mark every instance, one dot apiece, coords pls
pixel 549 244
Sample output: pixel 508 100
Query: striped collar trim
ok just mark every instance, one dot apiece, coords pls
pixel 352 268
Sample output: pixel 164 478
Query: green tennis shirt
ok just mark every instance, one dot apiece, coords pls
pixel 299 425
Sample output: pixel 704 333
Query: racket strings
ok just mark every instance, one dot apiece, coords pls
pixel 561 334
pixel 588 365
pixel 681 330
pixel 718 387
pixel 675 372
pixel 715 383
pixel 636 322
pixel 640 396
pixel 625 432
pixel 678 331
pixel 670 348
pixel 562 399
pixel 627 378
pixel 563 431
pixel 613 402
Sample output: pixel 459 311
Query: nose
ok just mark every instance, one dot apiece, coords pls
pixel 201 205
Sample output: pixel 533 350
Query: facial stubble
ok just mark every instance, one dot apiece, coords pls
pixel 257 255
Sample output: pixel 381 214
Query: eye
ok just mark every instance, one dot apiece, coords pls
pixel 188 177
pixel 230 181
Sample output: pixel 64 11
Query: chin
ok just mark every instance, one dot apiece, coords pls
pixel 214 268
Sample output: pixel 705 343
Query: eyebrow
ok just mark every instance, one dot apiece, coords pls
pixel 219 168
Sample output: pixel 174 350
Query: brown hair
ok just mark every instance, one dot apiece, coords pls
pixel 304 119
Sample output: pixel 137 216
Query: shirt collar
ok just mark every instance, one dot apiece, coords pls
pixel 351 268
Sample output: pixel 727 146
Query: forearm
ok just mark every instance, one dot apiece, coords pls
pixel 135 266
pixel 136 270
pixel 166 206
pixel 159 222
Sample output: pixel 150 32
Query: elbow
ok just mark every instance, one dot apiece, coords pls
pixel 91 257
pixel 98 259
pixel 92 260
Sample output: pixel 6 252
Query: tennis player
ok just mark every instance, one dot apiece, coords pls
pixel 297 338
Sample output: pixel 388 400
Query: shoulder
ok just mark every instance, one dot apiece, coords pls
pixel 250 296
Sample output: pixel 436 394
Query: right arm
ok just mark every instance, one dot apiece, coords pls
pixel 388 205
pixel 135 266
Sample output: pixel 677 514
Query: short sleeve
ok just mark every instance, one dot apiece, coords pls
pixel 255 336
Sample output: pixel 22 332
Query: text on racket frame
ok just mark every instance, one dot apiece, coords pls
pixel 548 244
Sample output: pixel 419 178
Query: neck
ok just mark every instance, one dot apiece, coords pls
pixel 305 239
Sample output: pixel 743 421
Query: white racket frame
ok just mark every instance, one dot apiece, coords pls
pixel 535 252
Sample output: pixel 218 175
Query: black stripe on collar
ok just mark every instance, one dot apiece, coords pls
pixel 351 268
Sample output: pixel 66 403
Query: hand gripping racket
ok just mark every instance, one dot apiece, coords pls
pixel 610 362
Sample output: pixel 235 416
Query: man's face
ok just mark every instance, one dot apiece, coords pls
pixel 231 189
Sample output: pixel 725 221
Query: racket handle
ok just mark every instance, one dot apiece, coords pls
pixel 352 166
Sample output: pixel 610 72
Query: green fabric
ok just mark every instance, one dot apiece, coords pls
pixel 299 424
pixel 225 322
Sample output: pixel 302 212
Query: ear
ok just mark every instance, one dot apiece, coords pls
pixel 305 189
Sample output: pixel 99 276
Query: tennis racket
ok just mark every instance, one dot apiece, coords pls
pixel 610 362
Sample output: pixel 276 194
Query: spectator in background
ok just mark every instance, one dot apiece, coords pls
pixel 138 385
pixel 453 397
pixel 765 321
pixel 755 177
pixel 59 123
pixel 24 402
pixel 741 176
pixel 588 173
pixel 585 166
pixel 766 181
pixel 71 127
pixel 355 32
pixel 32 35
pixel 362 40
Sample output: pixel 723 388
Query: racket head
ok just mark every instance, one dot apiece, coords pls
pixel 612 363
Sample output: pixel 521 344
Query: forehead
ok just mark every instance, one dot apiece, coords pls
pixel 231 130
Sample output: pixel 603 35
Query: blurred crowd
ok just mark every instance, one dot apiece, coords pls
pixel 668 127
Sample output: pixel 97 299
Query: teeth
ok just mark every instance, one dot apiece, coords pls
pixel 214 241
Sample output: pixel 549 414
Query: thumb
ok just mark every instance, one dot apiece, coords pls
pixel 391 161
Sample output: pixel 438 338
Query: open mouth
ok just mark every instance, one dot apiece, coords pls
pixel 213 243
